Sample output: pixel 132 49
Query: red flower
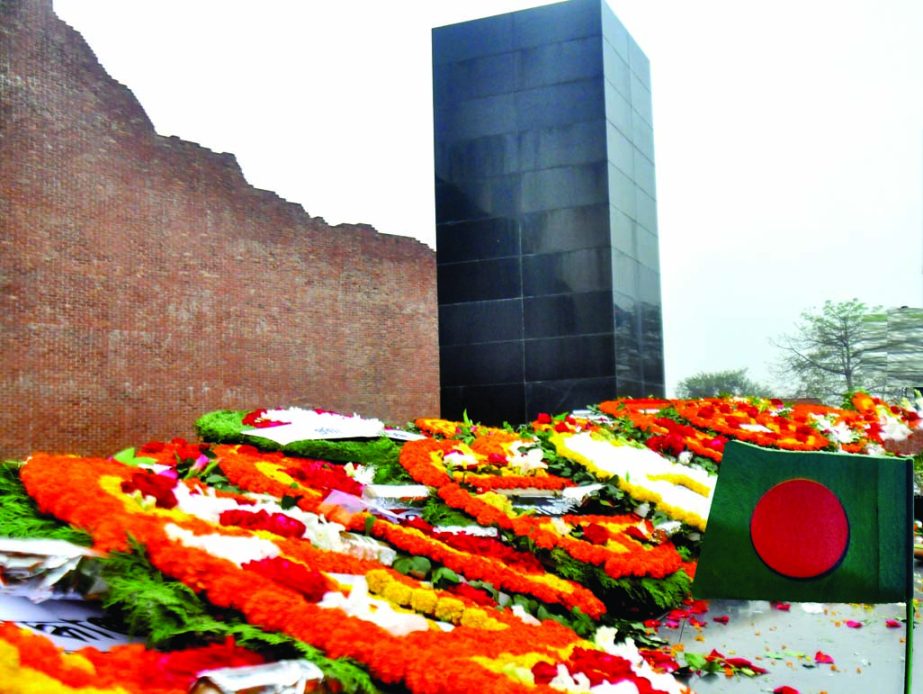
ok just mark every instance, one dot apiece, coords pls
pixel 543 418
pixel 158 486
pixel 596 534
pixel 660 659
pixel 277 523
pixel 669 443
pixel 544 672
pixel 481 597
pixel 311 584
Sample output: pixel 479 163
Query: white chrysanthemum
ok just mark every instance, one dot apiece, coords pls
pixel 237 549
pixel 363 606
pixel 892 428
pixel 363 474
pixel 460 459
pixel 641 668
pixel 840 432
pixel 520 613
pixel 526 462
pixel 206 506
pixel 682 492
pixel 319 531
pixel 572 684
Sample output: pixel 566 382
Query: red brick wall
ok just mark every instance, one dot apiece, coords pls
pixel 144 282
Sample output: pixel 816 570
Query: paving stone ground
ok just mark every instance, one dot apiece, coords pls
pixel 866 660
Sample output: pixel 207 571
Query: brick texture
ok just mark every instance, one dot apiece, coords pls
pixel 143 281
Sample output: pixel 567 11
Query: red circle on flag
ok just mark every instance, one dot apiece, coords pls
pixel 799 529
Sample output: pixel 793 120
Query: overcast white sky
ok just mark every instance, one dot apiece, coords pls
pixel 788 135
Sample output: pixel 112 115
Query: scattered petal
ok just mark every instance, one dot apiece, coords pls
pixel 723 619
pixel 893 624
pixel 697 606
pixel 823 658
pixel 853 624
pixel 745 665
pixel 784 606
pixel 813 607
pixel 785 689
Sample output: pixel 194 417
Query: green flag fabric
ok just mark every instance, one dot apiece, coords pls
pixel 808 527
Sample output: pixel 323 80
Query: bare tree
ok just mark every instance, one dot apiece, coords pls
pixel 834 351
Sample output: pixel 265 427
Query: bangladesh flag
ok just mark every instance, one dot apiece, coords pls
pixel 808 527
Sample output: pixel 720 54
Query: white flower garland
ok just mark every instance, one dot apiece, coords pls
pixel 683 493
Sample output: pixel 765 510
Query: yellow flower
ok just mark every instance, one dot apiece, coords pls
pixel 423 600
pixel 479 619
pixel 377 579
pixel 449 609
pixel 397 593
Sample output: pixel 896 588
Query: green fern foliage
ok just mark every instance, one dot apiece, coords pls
pixel 20 517
pixel 169 614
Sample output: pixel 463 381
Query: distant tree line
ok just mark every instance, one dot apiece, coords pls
pixel 833 351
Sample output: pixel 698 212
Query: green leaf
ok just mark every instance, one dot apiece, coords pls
pixel 287 502
pixel 444 576
pixel 696 661
pixel 419 567
pixel 127 457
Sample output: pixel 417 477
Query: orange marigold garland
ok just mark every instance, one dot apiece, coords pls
pixel 36 664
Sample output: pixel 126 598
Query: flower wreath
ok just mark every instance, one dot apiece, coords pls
pixel 32 663
pixel 211 559
pixel 491 509
pixel 256 472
